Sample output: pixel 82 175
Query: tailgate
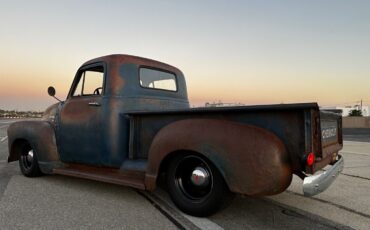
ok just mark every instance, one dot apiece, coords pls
pixel 331 138
pixel 330 142
pixel 331 133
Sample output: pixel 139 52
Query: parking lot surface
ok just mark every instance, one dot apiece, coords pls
pixel 60 202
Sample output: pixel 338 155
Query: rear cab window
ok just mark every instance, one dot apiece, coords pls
pixel 157 79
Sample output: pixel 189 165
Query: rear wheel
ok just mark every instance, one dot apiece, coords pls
pixel 28 162
pixel 196 186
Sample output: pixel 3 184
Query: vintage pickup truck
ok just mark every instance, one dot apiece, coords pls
pixel 127 120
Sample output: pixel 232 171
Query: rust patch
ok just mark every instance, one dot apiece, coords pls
pixel 108 175
pixel 40 134
pixel 252 160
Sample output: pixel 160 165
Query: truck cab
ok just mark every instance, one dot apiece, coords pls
pixel 95 106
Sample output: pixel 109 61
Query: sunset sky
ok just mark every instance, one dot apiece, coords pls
pixel 252 52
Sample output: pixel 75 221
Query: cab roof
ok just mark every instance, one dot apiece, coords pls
pixel 124 58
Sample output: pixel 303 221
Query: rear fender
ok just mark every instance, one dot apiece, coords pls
pixel 252 160
pixel 41 136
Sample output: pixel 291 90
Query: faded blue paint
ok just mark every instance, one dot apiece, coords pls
pixel 99 135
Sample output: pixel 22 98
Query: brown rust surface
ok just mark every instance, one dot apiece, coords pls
pixel 40 134
pixel 119 59
pixel 103 174
pixel 74 111
pixel 324 162
pixel 252 160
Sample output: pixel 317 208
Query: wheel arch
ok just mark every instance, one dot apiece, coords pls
pixel 236 150
pixel 40 135
pixel 15 149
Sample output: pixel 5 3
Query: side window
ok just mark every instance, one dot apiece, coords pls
pixel 90 82
pixel 156 79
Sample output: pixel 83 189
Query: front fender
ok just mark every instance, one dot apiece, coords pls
pixel 40 134
pixel 252 160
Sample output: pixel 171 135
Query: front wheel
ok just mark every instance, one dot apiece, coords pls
pixel 28 162
pixel 196 186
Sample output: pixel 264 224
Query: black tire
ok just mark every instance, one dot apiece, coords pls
pixel 28 161
pixel 203 199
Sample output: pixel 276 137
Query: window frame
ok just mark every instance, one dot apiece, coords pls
pixel 78 76
pixel 161 70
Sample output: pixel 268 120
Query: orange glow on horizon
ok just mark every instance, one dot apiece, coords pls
pixel 251 53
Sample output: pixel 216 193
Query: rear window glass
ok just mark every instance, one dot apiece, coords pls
pixel 156 79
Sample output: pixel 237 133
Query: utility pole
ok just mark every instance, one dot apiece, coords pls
pixel 361 105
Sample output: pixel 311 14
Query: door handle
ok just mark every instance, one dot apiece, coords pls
pixel 94 103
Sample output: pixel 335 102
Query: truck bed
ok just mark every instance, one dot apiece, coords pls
pixel 292 123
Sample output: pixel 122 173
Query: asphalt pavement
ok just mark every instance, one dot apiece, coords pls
pixel 58 202
pixel 358 135
pixel 4 124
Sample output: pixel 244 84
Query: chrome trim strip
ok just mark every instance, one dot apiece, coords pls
pixel 315 184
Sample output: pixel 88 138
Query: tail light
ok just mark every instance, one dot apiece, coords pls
pixel 310 159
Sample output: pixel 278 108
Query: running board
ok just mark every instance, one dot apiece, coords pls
pixel 108 175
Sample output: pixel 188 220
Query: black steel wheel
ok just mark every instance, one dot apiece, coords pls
pixel 196 186
pixel 28 162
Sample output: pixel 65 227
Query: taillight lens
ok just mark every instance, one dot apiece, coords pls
pixel 310 159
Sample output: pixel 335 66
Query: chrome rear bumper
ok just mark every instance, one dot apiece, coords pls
pixel 316 184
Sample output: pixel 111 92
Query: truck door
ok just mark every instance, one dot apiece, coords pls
pixel 81 123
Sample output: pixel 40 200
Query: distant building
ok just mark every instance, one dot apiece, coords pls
pixel 347 109
pixel 19 114
pixel 221 104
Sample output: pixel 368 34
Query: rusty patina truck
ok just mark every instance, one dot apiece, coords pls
pixel 127 120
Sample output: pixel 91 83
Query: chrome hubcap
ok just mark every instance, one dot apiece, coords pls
pixel 200 177
pixel 193 178
pixel 30 156
pixel 27 158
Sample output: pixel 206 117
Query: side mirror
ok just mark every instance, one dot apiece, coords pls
pixel 51 92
